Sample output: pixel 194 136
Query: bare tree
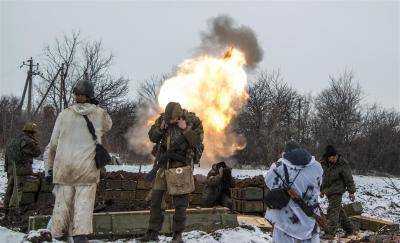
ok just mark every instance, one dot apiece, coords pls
pixel 148 90
pixel 10 120
pixel 124 116
pixel 63 51
pixel 338 111
pixel 376 147
pixel 274 114
pixel 80 58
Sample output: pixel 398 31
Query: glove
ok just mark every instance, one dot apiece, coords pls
pixel 49 176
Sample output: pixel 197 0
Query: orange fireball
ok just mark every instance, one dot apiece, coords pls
pixel 215 88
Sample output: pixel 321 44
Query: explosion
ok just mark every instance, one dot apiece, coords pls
pixel 211 84
pixel 215 88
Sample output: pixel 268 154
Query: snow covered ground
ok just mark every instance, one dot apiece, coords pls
pixel 377 197
pixel 239 234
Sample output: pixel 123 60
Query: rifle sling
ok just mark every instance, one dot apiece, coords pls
pixel 287 185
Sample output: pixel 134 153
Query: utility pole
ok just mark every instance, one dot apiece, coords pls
pixel 64 76
pixel 62 87
pixel 52 82
pixel 33 69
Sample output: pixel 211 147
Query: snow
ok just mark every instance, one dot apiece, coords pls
pixel 378 199
pixel 7 235
pixel 238 234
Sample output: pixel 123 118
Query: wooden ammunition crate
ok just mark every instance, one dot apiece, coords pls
pixel 243 206
pixel 46 198
pixel 248 193
pixel 144 185
pixel 27 198
pixel 141 194
pixel 374 224
pixel 123 196
pixel 45 186
pixel 136 222
pixel 199 188
pixel 195 199
pixel 352 209
pixel 31 184
pixel 123 185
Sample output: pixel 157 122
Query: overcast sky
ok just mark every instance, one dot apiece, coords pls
pixel 307 41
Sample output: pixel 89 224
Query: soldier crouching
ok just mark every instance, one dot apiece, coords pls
pixel 177 132
pixel 218 185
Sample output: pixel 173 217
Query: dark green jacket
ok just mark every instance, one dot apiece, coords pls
pixel 192 137
pixel 217 184
pixel 337 178
pixel 21 149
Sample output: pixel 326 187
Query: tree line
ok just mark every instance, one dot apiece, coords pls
pixel 367 135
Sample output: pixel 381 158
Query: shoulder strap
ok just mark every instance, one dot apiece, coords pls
pixel 286 182
pixel 285 170
pixel 90 128
pixel 287 175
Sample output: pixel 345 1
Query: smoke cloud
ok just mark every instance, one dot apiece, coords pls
pixel 137 136
pixel 223 32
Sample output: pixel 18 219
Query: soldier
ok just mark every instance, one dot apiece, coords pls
pixel 300 171
pixel 18 163
pixel 218 185
pixel 72 167
pixel 176 124
pixel 337 180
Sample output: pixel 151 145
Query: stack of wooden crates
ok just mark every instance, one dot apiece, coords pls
pixel 248 200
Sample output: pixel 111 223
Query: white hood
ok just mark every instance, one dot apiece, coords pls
pixel 83 108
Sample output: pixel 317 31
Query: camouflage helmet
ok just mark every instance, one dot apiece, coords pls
pixel 30 127
pixel 84 87
pixel 173 110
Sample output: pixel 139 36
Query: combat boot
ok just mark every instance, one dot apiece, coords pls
pixel 80 239
pixel 150 235
pixel 177 237
pixel 63 238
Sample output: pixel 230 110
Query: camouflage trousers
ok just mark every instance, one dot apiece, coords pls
pixel 180 204
pixel 337 216
pixel 9 190
pixel 13 197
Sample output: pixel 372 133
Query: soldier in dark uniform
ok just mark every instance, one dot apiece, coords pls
pixel 19 155
pixel 218 185
pixel 175 126
pixel 337 179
